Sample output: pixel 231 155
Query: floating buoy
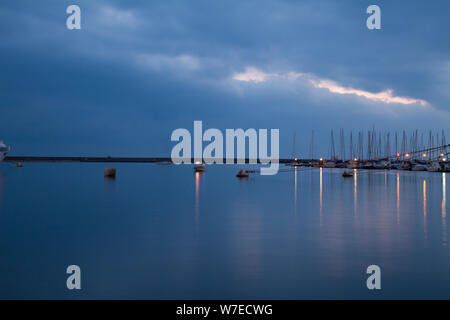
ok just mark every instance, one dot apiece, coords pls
pixel 347 174
pixel 110 172
pixel 242 174
pixel 199 167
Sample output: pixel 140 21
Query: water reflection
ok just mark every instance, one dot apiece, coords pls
pixel 385 178
pixel 321 196
pixel 295 189
pixel 251 237
pixel 425 208
pixel 109 184
pixel 2 183
pixel 398 198
pixel 443 215
pixel 197 197
pixel 443 194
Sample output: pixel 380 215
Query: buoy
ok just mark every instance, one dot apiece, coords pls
pixel 110 172
pixel 347 174
pixel 199 167
pixel 242 174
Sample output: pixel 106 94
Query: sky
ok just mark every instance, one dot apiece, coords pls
pixel 137 70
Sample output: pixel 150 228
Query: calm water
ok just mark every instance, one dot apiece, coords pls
pixel 166 232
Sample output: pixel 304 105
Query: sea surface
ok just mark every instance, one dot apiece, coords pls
pixel 165 232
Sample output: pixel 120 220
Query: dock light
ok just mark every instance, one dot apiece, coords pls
pixel 441 154
pixel 198 162
pixel 407 155
pixel 295 159
pixel 398 154
pixel 321 159
pixel 424 155
pixel 356 159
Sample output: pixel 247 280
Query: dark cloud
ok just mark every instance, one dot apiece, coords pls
pixel 139 69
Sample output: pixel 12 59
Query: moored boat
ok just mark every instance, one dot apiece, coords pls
pixel 3 150
pixel 368 165
pixel 405 166
pixel 242 174
pixel 329 164
pixel 294 163
pixel 382 164
pixel 446 166
pixel 341 164
pixel 347 174
pixel 434 166
pixel 199 167
pixel 352 164
pixel 418 167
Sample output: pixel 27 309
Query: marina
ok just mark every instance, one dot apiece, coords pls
pixel 432 166
pixel 224 158
pixel 413 153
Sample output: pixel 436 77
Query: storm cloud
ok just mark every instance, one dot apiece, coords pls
pixel 137 70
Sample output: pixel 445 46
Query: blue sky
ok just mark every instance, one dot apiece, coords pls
pixel 137 70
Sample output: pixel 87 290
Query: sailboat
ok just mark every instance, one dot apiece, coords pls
pixel 329 164
pixel 294 162
pixel 3 150
pixel 418 167
pixel 446 166
pixel 434 166
pixel 332 162
pixel 199 166
pixel 353 164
